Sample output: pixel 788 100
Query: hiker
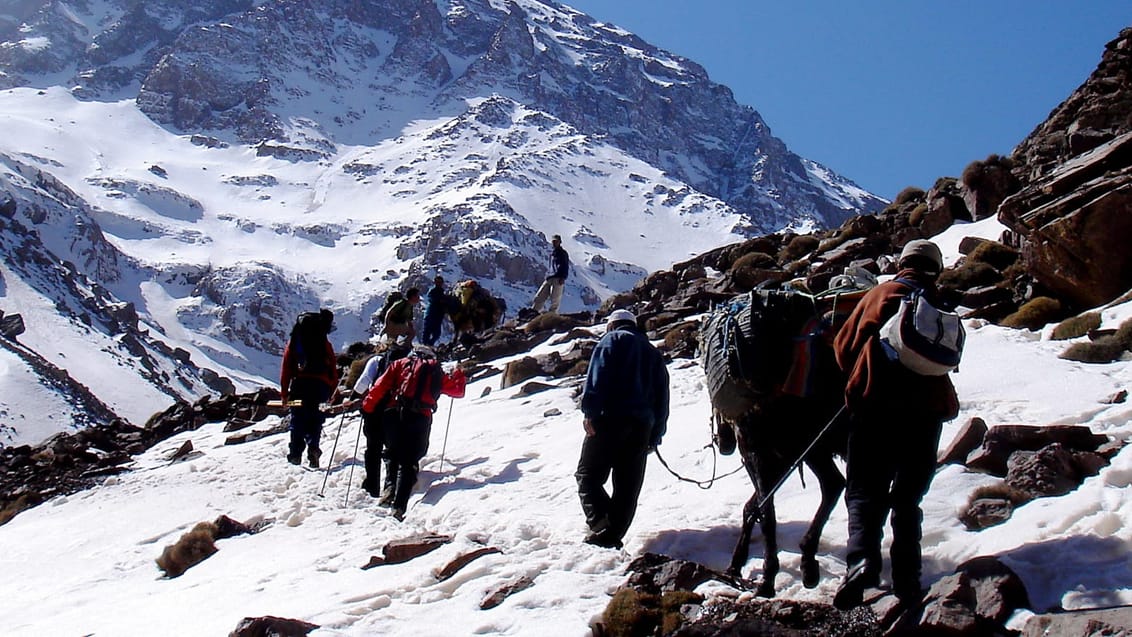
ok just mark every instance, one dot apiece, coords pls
pixel 439 302
pixel 309 374
pixel 625 414
pixel 399 318
pixel 408 390
pixel 374 429
pixel 895 420
pixel 555 282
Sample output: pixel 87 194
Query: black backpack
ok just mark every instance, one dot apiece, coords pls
pixel 308 342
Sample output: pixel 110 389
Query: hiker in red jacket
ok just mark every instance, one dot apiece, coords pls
pixel 896 417
pixel 309 375
pixel 408 391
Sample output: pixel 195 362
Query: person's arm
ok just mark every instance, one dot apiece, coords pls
pixel 384 384
pixel 286 370
pixel 660 403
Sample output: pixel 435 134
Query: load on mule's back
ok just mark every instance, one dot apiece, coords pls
pixel 775 387
pixel 477 310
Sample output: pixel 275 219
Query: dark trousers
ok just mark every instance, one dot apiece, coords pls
pixel 406 440
pixel 619 448
pixel 373 426
pixel 432 326
pixel 891 463
pixel 306 419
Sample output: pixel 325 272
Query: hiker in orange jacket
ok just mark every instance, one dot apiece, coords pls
pixel 896 417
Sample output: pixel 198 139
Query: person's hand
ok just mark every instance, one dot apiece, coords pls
pixel 588 425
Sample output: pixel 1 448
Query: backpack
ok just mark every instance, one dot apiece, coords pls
pixel 420 387
pixel 747 347
pixel 922 337
pixel 390 301
pixel 308 341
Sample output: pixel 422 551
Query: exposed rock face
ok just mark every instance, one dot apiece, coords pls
pixel 1096 113
pixel 1075 225
pixel 1072 217
pixel 236 67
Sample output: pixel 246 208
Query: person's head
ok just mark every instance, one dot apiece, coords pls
pixel 620 318
pixel 923 256
pixel 556 240
pixel 423 351
pixel 327 319
pixel 438 281
pixel 413 295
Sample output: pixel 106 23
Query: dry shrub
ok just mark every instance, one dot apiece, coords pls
pixel 1034 314
pixel 798 247
pixel 1075 326
pixel 634 614
pixel 355 371
pixel 754 260
pixel 1000 491
pixel 746 271
pixel 1105 349
pixel 978 173
pixel 193 548
pixel 13 508
pixel 971 274
pixel 1124 334
pixel 998 255
pixel 910 194
pixel 917 214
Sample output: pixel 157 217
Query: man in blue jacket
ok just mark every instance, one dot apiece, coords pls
pixel 625 408
pixel 555 282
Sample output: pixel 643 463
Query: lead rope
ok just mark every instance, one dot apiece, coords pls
pixel 703 484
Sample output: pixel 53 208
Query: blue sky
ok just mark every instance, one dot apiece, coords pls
pixel 889 94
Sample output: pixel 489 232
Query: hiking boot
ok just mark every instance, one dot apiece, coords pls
pixel 313 456
pixel 294 458
pixel 604 540
pixel 852 590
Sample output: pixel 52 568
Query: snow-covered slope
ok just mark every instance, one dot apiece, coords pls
pixel 507 481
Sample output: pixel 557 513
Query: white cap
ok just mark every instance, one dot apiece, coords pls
pixel 620 315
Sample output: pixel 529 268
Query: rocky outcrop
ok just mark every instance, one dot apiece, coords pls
pixel 256 72
pixel 1073 225
pixel 1099 111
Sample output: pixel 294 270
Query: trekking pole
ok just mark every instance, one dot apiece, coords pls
pixel 333 448
pixel 444 447
pixel 757 514
pixel 349 480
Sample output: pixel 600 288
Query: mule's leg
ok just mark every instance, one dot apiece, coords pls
pixel 832 483
pixel 743 545
pixel 769 470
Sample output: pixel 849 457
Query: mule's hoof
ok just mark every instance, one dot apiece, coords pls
pixel 765 589
pixel 811 574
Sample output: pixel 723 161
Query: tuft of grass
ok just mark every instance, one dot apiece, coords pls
pixel 798 247
pixel 1076 326
pixel 998 255
pixel 917 215
pixel 1124 334
pixel 191 549
pixel 910 194
pixel 1034 314
pixel 1105 349
pixel 632 613
pixel 971 274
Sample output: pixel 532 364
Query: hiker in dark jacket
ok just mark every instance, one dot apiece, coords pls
pixel 399 318
pixel 439 302
pixel 555 282
pixel 408 391
pixel 896 417
pixel 309 374
pixel 625 408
